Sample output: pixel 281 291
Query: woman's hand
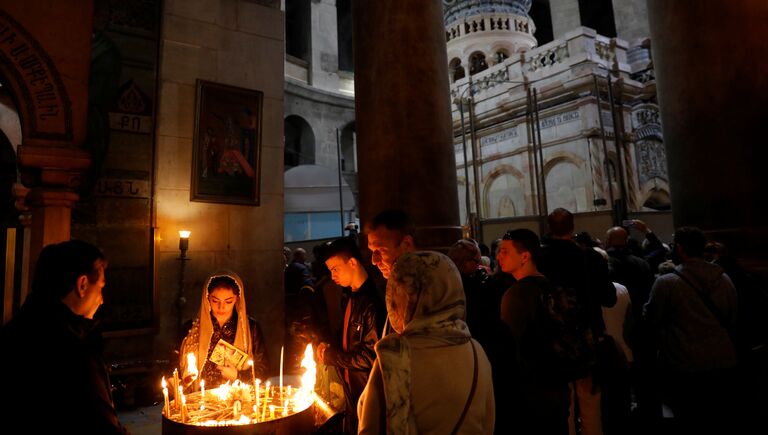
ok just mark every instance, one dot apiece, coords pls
pixel 228 371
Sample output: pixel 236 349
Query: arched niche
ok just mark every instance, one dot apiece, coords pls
pixel 299 142
pixel 503 193
pixel 566 184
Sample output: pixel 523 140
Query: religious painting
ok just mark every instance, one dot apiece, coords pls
pixel 226 144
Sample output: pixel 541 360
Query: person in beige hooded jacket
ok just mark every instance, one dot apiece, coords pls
pixel 430 376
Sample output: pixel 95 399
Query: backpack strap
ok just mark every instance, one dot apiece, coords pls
pixel 471 392
pixel 709 303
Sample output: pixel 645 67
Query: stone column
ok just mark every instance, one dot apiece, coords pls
pixel 711 71
pixel 404 129
pixel 52 174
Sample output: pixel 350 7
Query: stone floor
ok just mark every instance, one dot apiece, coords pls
pixel 143 421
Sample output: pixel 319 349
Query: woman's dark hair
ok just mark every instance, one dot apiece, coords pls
pixel 224 282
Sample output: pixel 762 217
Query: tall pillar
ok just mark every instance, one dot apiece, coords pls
pixel 52 174
pixel 711 69
pixel 403 116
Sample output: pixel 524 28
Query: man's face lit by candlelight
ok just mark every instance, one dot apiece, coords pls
pixel 386 247
pixel 92 290
pixel 509 257
pixel 342 271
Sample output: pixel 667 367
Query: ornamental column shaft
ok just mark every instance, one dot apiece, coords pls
pixel 403 116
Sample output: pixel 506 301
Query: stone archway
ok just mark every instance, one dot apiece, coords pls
pixel 44 64
pixel 42 99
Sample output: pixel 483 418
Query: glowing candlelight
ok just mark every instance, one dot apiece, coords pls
pixel 183 408
pixel 256 407
pixel 236 408
pixel 166 406
pixel 202 394
pixel 282 348
pixel 176 400
pixel 266 399
pixel 191 367
pixel 180 394
pixel 271 412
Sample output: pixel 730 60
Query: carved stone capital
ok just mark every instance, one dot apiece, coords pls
pixel 54 167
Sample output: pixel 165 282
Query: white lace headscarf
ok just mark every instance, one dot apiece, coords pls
pixel 199 338
pixel 425 298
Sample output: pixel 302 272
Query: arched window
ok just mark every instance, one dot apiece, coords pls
pixel 299 142
pixel 501 56
pixel 477 63
pixel 457 71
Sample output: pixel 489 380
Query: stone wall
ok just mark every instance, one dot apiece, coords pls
pixel 237 43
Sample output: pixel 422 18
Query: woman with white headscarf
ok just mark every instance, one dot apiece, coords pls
pixel 222 316
pixel 430 376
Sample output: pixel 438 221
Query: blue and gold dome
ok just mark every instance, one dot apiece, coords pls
pixel 458 9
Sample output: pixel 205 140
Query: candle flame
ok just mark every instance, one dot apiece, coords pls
pixel 237 396
pixel 191 366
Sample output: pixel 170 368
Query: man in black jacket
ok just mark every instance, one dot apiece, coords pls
pixel 363 319
pixel 567 264
pixel 52 368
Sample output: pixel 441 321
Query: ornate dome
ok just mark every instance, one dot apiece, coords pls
pixel 458 9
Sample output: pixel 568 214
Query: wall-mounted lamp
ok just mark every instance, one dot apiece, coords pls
pixel 184 242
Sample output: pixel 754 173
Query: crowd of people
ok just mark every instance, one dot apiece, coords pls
pixel 559 334
pixel 581 336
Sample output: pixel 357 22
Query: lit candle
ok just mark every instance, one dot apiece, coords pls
pixel 202 394
pixel 271 412
pixel 282 348
pixel 191 373
pixel 236 408
pixel 266 400
pixel 256 407
pixel 180 396
pixel 176 400
pixel 253 378
pixel 183 408
pixel 166 406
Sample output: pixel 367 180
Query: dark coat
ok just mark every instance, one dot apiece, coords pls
pixel 365 325
pixel 54 373
pixel 565 263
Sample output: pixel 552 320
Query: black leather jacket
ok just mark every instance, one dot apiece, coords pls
pixel 366 321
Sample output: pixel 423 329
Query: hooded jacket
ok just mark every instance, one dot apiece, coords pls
pixel 690 337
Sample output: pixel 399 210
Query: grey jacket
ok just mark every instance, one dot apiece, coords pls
pixel 689 336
